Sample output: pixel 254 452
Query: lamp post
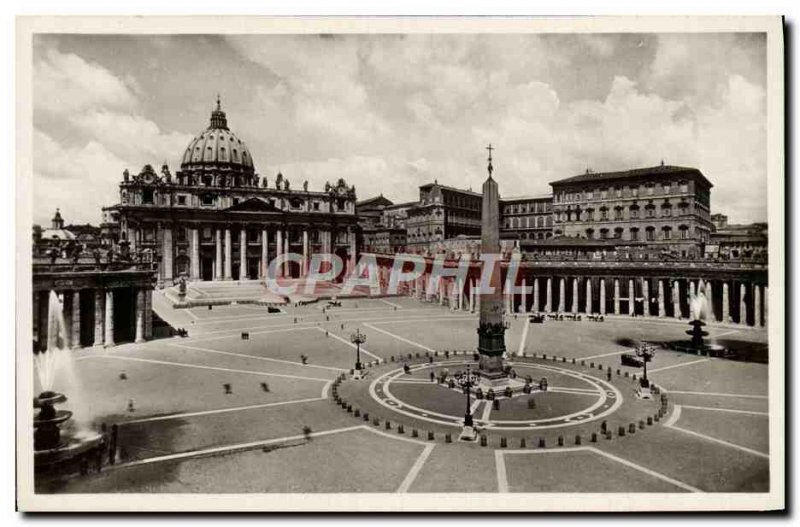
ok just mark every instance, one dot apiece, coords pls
pixel 646 351
pixel 358 339
pixel 466 381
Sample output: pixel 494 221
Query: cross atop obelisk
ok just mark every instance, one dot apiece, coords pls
pixel 491 168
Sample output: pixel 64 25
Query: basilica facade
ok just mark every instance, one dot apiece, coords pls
pixel 216 218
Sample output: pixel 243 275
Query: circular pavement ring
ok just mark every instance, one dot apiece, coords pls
pixel 380 391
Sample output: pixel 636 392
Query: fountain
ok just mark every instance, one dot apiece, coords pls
pixel 51 444
pixel 697 345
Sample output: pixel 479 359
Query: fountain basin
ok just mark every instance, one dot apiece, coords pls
pixel 68 448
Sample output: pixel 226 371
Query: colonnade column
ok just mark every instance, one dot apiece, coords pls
pixel 352 236
pixel 646 296
pixel 228 255
pixel 524 305
pixel 109 323
pixel 549 305
pixel 588 295
pixel 148 314
pixel 286 269
pixel 99 297
pixel 562 304
pixel 616 296
pixel 631 296
pixel 264 253
pixel 766 304
pixel 726 303
pixel 76 319
pixel 603 295
pixel 243 254
pixel 757 305
pixel 661 304
pixel 574 295
pixel 743 304
pixel 536 294
pixel 304 267
pixel 709 291
pixel 139 316
pixel 195 267
pixel 218 265
pixel 167 251
pixel 676 299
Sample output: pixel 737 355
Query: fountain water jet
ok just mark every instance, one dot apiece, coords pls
pixel 49 444
pixel 700 309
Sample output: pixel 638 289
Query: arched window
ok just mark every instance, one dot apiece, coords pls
pixel 589 234
pixel 634 234
pixel 650 234
pixel 667 232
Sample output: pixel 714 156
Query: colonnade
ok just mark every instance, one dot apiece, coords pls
pixel 95 309
pixel 725 301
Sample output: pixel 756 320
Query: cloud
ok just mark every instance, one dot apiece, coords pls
pixel 65 84
pixel 78 180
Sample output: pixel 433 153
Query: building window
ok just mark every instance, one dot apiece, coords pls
pixel 316 205
pixel 666 210
pixel 666 188
pixel 634 191
pixel 207 199
pixel 206 233
pixel 603 234
pixel 147 196
pixel 650 234
pixel 603 213
pixel 650 211
pixel 634 212
pixel 684 185
pixel 683 231
pixel 634 234
pixel 617 213
pixel 589 234
pixel 603 194
pixel 618 233
pixel 181 200
pixel 618 192
pixel 667 233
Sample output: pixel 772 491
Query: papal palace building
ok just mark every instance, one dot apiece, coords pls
pixel 216 218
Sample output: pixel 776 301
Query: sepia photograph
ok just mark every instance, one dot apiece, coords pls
pixel 400 264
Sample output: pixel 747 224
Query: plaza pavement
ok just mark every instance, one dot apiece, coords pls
pixel 186 434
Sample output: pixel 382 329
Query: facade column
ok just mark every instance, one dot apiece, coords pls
pixel 631 296
pixel 195 267
pixel 243 254
pixel 757 305
pixel 228 264
pixel 139 316
pixel 218 264
pixel 766 305
pixel 279 252
pixel 304 269
pixel 548 307
pixel 286 269
pixel 646 295
pixel 726 304
pixel 66 301
pixel 562 294
pixel 616 296
pixel 472 296
pixel 523 307
pixel 603 294
pixel 574 295
pixel 109 324
pixel 536 294
pixel 262 268
pixel 352 236
pixel 99 314
pixel 76 319
pixel 661 304
pixel 167 257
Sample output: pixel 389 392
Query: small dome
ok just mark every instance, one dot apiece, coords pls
pixel 217 147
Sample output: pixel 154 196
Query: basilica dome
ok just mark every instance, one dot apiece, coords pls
pixel 217 148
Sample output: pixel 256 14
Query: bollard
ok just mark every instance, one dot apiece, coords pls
pixel 430 436
pixel 503 442
pixel 573 360
pixel 544 356
pixel 621 431
pixel 496 404
pixel 631 428
pixel 356 413
pixel 656 418
pixel 560 440
pixel 583 363
pixel 366 416
pixel 618 372
pixel 541 442
pixel 649 421
pixel 388 425
pixel 626 374
pixel 400 429
pixel 577 439
pixel 376 422
pixel 563 359
pixel 414 432
pixel 594 437
pixel 522 443
pixel 608 434
pixel 591 364
pixel 448 438
pixel 349 408
pixel 603 427
pixel 641 424
pixel 484 442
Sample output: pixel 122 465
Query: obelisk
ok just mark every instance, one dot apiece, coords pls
pixel 491 329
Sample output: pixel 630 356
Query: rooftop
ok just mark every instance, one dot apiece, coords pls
pixel 659 170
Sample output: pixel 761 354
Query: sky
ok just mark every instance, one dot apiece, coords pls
pixel 389 113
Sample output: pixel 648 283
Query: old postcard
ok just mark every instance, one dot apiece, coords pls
pixel 417 264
